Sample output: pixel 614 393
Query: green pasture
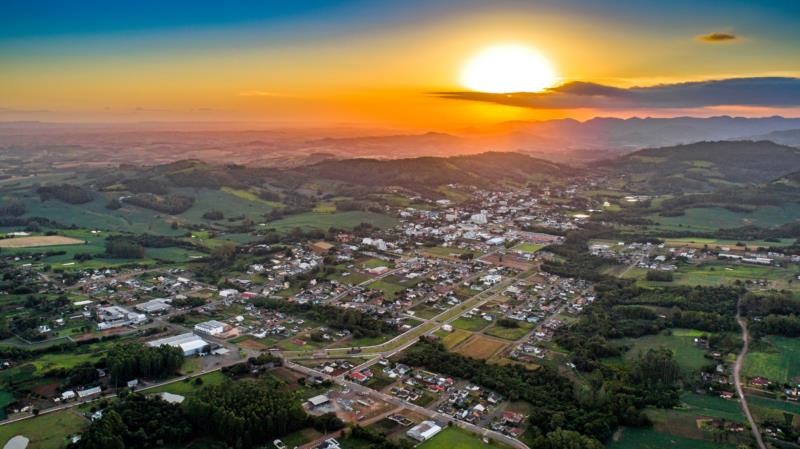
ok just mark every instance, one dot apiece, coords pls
pixel 779 361
pixel 342 220
pixel 688 356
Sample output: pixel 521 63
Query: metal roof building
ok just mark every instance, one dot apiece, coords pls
pixel 189 343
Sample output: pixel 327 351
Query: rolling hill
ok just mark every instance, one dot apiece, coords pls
pixel 706 166
pixel 480 169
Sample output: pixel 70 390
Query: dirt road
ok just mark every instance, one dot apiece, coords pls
pixel 737 368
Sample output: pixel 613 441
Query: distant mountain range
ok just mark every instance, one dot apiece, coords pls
pixel 561 140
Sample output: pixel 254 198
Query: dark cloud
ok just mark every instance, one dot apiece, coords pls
pixel 764 91
pixel 717 37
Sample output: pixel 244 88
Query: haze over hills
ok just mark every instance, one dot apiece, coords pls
pixel 598 138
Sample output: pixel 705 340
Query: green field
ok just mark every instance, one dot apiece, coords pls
pixel 779 362
pixel 510 333
pixel 720 273
pixel 647 438
pixel 389 289
pixel 713 218
pixel 455 438
pixel 715 406
pixel 528 247
pixel 187 387
pixel 688 356
pixel 344 220
pixel 470 324
pixel 451 339
pixel 47 431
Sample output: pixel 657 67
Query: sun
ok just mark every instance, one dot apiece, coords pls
pixel 508 68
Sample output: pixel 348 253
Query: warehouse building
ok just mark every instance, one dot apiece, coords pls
pixel 424 431
pixel 189 343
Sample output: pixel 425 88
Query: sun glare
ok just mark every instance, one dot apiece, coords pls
pixel 508 68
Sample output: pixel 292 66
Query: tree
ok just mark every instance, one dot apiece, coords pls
pixel 566 439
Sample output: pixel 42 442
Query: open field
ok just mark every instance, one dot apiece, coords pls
pixel 189 386
pixel 528 247
pixel 452 339
pixel 479 347
pixel 712 218
pixel 441 251
pixel 510 333
pixel 42 240
pixel 720 273
pixel 47 431
pixel 455 438
pixel 686 353
pixel 779 362
pixel 345 220
pixel 647 438
pixel 470 324
pixel 714 406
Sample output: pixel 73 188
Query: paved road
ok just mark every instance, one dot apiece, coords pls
pixel 737 368
pixel 439 417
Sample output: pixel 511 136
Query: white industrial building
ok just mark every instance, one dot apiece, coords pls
pixel 189 343
pixel 116 316
pixel 424 431
pixel 212 327
pixel 158 305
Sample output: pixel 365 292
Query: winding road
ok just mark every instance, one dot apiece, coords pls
pixel 737 368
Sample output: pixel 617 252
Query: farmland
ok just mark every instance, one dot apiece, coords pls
pixel 479 347
pixel 342 220
pixel 647 438
pixel 778 360
pixel 44 240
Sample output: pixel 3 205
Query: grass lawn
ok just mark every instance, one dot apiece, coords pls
pixel 470 324
pixel 455 438
pixel 187 387
pixel 510 333
pixel 647 438
pixel 781 362
pixel 689 356
pixel 47 431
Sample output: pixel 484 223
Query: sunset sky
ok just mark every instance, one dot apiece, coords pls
pixel 397 64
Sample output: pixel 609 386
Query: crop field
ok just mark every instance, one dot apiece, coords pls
pixel 786 406
pixel 701 243
pixel 95 215
pixel 648 438
pixel 688 356
pixel 780 362
pixel 344 220
pixel 41 240
pixel 452 339
pixel 479 347
pixel 47 431
pixel 714 406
